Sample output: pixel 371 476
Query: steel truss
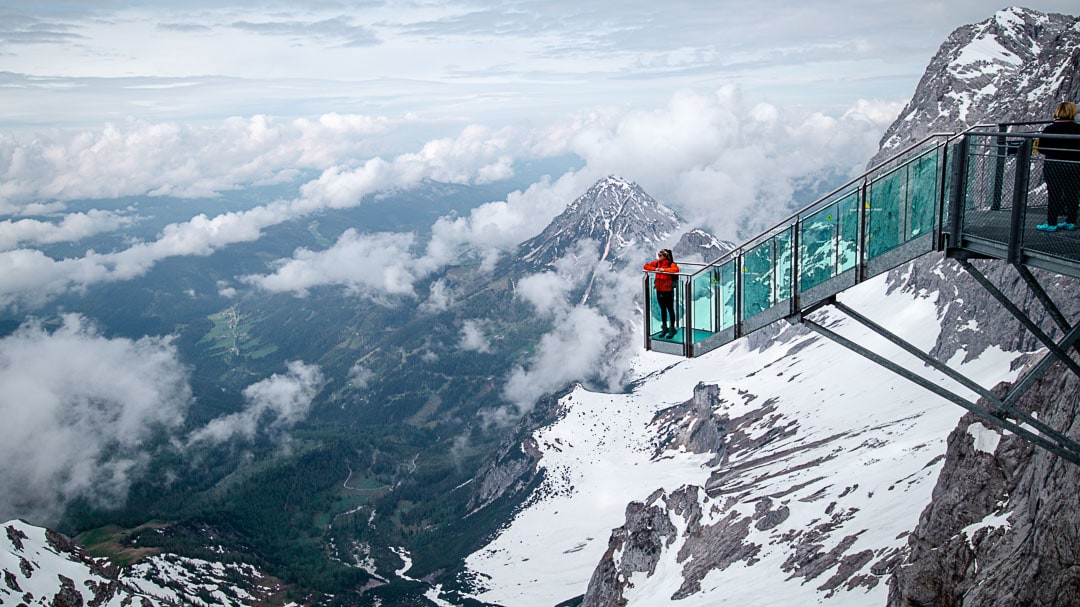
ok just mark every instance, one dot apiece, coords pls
pixel 1002 410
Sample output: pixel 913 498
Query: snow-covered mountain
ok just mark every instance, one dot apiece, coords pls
pixel 797 473
pixel 41 567
pixel 782 476
pixel 1015 66
pixel 615 213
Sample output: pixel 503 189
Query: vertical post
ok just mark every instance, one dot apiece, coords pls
pixel 958 189
pixel 1020 195
pixel 796 258
pixel 943 185
pixel 999 168
pixel 688 319
pixel 860 247
pixel 648 313
pixel 739 286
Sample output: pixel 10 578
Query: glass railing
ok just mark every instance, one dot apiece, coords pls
pixel 978 193
pixel 810 256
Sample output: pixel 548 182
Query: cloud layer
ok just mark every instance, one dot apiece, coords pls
pixel 83 414
pixel 85 63
pixel 79 409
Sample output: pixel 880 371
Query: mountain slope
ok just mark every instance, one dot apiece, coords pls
pixel 799 468
pixel 42 567
pixel 1012 67
pixel 816 463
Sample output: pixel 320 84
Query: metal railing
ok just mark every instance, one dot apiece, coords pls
pixel 968 194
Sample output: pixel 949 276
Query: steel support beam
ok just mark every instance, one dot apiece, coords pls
pixel 1069 452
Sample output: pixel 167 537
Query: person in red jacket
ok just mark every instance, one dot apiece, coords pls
pixel 665 266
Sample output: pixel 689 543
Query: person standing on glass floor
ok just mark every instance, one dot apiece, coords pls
pixel 664 282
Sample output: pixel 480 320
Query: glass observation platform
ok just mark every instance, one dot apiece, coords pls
pixel 975 194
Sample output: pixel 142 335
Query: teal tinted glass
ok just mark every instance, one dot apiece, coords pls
pixel 828 241
pixel 884 217
pixel 849 231
pixel 703 296
pixel 925 190
pixel 655 322
pixel 819 235
pixel 725 274
pixel 767 273
pixel 903 203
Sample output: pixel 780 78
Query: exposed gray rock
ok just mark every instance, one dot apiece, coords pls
pixel 634 547
pixel 1003 529
pixel 1036 68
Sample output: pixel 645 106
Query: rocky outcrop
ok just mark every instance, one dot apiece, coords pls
pixel 1003 529
pixel 1012 67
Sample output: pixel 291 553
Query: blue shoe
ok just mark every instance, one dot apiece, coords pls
pixel 1046 227
pixel 1066 226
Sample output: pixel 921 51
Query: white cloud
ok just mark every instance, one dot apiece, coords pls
pixel 720 164
pixel 473 338
pixel 723 165
pixel 173 159
pixel 360 376
pixel 276 404
pixel 72 227
pixel 371 264
pixel 573 351
pixel 79 411
pixel 440 297
pixel 547 292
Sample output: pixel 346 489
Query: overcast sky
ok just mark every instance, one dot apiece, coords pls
pixel 716 108
pixel 85 62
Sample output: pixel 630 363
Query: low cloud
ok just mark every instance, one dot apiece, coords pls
pixel 375 264
pixel 72 227
pixel 360 376
pixel 726 167
pixel 440 298
pixel 473 338
pixel 80 413
pixel 275 404
pixel 574 351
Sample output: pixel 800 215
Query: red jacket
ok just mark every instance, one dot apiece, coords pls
pixel 663 282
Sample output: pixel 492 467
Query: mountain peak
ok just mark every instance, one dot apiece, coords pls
pixel 1009 67
pixel 615 212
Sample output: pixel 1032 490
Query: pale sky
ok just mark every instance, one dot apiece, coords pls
pixel 82 63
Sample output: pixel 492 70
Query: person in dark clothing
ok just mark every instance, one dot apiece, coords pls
pixel 665 266
pixel 1061 169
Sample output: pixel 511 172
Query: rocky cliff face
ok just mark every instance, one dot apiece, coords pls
pixel 1003 529
pixel 1015 66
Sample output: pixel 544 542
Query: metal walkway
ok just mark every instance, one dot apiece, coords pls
pixel 975 194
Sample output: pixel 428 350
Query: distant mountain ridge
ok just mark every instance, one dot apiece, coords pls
pixel 616 213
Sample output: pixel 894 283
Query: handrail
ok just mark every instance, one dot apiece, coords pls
pixel 970 199
pixel 862 176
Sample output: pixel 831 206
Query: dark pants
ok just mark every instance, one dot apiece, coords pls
pixel 1062 190
pixel 666 301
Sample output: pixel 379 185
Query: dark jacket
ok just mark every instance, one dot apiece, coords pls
pixel 663 282
pixel 1057 148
